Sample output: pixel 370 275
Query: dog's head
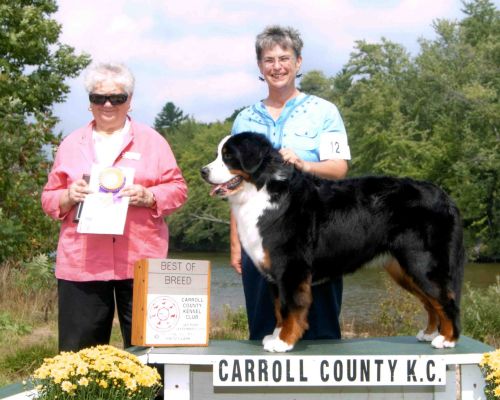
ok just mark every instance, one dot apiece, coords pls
pixel 240 158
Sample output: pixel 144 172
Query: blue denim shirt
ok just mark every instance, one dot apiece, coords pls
pixel 312 127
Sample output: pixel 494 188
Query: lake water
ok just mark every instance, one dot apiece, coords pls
pixel 363 290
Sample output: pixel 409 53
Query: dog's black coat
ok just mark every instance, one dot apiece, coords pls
pixel 323 228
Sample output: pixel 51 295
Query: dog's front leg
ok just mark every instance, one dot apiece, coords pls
pixel 277 314
pixel 291 309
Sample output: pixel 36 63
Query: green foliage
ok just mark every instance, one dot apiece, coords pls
pixel 315 82
pixel 169 118
pixel 37 275
pixel 232 326
pixel 33 67
pixel 10 325
pixel 36 279
pixel 203 222
pixel 399 312
pixel 480 316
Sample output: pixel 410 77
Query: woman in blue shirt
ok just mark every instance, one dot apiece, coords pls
pixel 310 134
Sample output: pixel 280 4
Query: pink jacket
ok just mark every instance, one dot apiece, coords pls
pixel 86 257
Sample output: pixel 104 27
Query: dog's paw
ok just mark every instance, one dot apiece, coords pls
pixel 426 337
pixel 274 335
pixel 276 345
pixel 440 342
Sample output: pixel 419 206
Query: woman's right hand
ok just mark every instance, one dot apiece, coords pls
pixel 74 194
pixel 77 191
pixel 236 260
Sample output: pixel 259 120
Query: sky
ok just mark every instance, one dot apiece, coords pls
pixel 199 54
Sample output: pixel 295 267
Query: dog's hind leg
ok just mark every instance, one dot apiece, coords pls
pixel 442 327
pixel 406 282
pixel 291 314
pixel 449 330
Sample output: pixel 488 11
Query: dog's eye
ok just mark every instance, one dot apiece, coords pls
pixel 226 156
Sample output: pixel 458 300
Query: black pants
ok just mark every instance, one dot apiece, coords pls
pixel 86 311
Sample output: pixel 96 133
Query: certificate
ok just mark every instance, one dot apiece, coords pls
pixel 105 212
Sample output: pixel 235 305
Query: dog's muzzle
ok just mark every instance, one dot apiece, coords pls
pixel 221 189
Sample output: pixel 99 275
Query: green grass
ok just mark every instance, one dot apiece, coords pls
pixel 21 363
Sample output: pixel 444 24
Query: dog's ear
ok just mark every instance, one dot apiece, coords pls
pixel 251 157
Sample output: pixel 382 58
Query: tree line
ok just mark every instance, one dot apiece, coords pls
pixel 432 116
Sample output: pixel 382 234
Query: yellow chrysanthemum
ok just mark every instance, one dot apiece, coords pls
pixel 83 381
pixel 490 365
pixel 67 387
pixel 73 374
pixel 103 384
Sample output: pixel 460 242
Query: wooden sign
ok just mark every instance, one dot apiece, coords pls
pixel 171 303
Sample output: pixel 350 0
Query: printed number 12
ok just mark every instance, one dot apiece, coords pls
pixel 336 147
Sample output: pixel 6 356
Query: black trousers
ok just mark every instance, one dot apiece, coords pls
pixel 86 311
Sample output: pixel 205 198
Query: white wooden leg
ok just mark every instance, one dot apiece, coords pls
pixel 472 382
pixel 177 384
pixel 449 391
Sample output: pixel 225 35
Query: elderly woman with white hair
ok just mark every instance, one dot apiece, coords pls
pixel 95 271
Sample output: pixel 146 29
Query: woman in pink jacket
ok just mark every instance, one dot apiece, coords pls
pixel 95 270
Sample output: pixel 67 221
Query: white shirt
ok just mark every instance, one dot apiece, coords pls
pixel 107 147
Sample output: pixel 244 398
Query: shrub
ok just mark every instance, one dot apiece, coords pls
pixel 399 313
pixel 233 325
pixel 480 316
pixel 8 324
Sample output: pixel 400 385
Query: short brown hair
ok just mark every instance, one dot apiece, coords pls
pixel 286 37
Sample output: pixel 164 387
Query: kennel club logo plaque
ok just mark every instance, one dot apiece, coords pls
pixel 171 302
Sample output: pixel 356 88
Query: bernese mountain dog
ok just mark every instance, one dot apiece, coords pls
pixel 299 229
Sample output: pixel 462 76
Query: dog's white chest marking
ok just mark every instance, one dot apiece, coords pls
pixel 247 206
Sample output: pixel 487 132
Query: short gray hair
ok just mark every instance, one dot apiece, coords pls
pixel 286 37
pixel 109 71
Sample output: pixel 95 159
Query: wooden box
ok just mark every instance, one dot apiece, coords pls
pixel 171 304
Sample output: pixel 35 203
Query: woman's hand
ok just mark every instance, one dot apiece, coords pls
pixel 290 157
pixel 77 191
pixel 235 246
pixel 74 194
pixel 139 196
pixel 328 169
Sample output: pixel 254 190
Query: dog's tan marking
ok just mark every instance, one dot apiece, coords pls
pixel 241 173
pixel 295 323
pixel 266 262
pixel 406 282
pixel 436 317
pixel 445 324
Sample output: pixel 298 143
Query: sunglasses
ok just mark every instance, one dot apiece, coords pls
pixel 114 99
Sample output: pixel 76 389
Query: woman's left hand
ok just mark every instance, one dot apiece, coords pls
pixel 139 195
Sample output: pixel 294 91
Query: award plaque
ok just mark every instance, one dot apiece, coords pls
pixel 171 303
